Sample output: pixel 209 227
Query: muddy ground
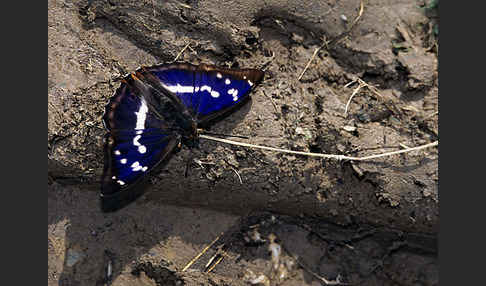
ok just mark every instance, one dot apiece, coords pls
pixel 365 223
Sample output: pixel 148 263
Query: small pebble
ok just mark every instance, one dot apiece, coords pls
pixel 73 257
pixel 349 128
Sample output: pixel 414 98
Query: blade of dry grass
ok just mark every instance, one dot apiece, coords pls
pixel 201 253
pixel 328 156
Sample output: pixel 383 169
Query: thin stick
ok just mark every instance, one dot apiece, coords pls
pixel 239 177
pixel 271 100
pixel 362 84
pixel 435 143
pixel 329 156
pixel 403 145
pixel 350 83
pixel 223 134
pixel 201 253
pixel 180 53
pixel 309 62
pixel 214 265
pixel 361 9
pixel 351 97
pixel 431 115
pixel 211 259
pixel 183 5
pixel 192 50
pixel 312 58
pixel 371 87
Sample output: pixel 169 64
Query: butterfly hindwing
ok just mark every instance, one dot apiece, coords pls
pixel 137 142
pixel 131 154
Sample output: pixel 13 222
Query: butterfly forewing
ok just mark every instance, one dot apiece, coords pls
pixel 177 79
pixel 207 90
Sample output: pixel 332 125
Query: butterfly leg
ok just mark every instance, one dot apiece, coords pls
pixel 189 160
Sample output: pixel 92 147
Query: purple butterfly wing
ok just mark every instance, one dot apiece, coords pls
pixel 137 142
pixel 207 91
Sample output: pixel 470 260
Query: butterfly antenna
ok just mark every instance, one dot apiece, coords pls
pixel 223 134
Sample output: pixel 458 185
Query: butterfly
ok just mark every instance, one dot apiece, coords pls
pixel 157 109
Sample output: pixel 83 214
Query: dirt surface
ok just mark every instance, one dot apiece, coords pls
pixel 366 223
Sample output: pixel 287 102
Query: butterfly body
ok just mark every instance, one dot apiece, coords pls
pixel 156 110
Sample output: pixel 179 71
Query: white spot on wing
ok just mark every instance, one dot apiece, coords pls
pixel 207 88
pixel 137 167
pixel 135 140
pixel 171 88
pixel 227 81
pixel 235 95
pixel 141 148
pixel 123 161
pixel 141 115
pixel 139 126
pixel 250 83
pixel 219 75
pixel 179 88
pixel 120 182
pixel 114 177
pixel 117 152
pixel 186 88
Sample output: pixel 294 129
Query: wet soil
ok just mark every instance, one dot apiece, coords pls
pixel 366 223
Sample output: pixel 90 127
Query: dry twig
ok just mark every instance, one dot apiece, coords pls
pixel 180 53
pixel 355 91
pixel 312 58
pixel 403 146
pixel 182 4
pixel 214 265
pixel 362 84
pixel 237 174
pixel 361 9
pixel 328 156
pixel 201 253
pixel 430 115
pixel 327 42
pixel 272 101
